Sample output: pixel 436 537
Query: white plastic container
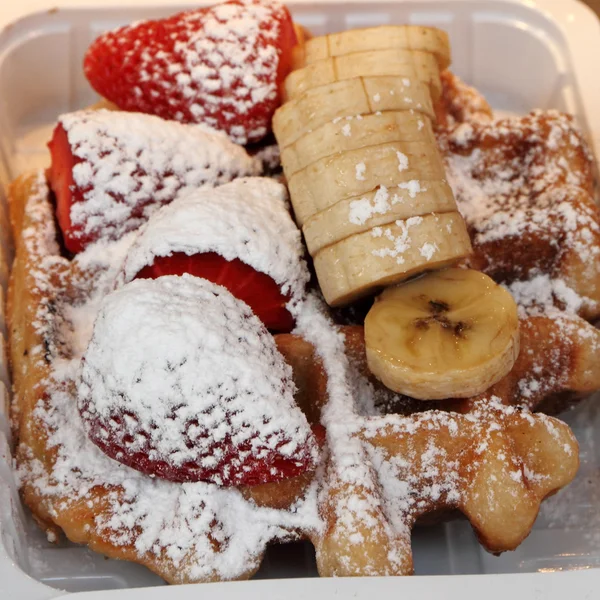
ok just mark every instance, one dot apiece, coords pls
pixel 521 55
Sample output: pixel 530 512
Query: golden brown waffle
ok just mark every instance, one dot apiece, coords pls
pixel 524 186
pixel 387 460
pixel 358 509
pixel 460 102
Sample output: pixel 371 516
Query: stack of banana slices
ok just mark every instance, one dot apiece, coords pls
pixel 368 188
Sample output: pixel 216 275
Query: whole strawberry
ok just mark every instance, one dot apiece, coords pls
pixel 220 65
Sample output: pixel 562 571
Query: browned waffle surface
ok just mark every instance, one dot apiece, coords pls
pixel 460 102
pixel 524 186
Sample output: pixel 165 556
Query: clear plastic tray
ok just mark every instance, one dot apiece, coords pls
pixel 521 55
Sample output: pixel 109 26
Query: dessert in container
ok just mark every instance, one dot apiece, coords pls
pixel 520 55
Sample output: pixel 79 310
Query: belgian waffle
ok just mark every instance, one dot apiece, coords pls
pixel 387 460
pixel 525 188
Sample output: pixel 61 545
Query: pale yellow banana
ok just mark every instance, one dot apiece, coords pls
pixel 348 98
pixel 406 37
pixel 356 172
pixel 413 64
pixel 359 132
pixel 377 208
pixel 368 261
pixel 450 334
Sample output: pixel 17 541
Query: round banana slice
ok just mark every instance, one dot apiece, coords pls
pixel 357 172
pixel 448 334
pixel 380 207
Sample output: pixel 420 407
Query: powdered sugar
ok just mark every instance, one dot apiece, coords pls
pixel 541 294
pixel 362 210
pixel 128 165
pixel 246 219
pixel 427 250
pixel 357 509
pixel 413 187
pixel 400 243
pixel 402 161
pixel 360 169
pixel 103 259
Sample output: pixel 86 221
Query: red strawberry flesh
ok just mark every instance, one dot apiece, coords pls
pixel 60 176
pixel 256 289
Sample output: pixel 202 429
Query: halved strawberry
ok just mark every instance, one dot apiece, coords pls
pixel 111 170
pixel 256 289
pixel 201 392
pixel 220 65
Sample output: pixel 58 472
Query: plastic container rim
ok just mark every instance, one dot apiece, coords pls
pixel 581 29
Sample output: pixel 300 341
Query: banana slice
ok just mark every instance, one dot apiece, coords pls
pixel 377 208
pixel 359 132
pixel 450 334
pixel 348 98
pixel 366 262
pixel 405 37
pixel 413 64
pixel 356 172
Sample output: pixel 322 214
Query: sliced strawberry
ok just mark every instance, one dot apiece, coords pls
pixel 111 170
pixel 256 289
pixel 220 65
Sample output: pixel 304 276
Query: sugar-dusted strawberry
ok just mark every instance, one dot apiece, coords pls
pixel 256 289
pixel 181 381
pixel 111 170
pixel 239 235
pixel 221 65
